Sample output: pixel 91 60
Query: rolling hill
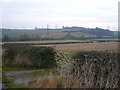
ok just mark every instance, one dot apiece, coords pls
pixel 71 33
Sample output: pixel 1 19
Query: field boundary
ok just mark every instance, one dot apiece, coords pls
pixel 54 43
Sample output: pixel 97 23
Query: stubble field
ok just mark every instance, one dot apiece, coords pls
pixel 96 46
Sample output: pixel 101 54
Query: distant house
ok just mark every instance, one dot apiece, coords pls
pixel 68 36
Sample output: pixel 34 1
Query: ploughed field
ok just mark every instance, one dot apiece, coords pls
pixel 72 45
pixel 45 41
pixel 96 46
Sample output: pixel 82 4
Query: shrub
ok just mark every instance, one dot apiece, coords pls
pixel 43 57
pixel 9 54
pixel 28 56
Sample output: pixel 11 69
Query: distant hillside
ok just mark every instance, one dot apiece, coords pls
pixel 116 34
pixel 97 31
pixel 71 33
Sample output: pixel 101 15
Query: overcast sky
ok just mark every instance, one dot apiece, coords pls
pixel 38 13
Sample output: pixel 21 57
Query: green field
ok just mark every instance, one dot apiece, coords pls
pixel 44 33
pixel 52 34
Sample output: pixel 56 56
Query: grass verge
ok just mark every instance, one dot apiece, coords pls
pixel 17 69
pixel 43 72
pixel 7 80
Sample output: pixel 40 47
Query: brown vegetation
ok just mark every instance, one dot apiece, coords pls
pixel 96 46
pixel 86 70
pixel 46 41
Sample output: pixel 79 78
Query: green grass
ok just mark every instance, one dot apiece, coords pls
pixel 17 86
pixel 111 39
pixel 17 69
pixel 8 81
pixel 43 72
pixel 16 33
pixel 0 69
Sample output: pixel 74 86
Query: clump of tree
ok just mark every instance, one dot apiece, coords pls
pixel 28 56
pixel 6 38
pixel 98 31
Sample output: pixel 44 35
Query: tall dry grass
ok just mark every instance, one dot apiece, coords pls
pixel 86 70
pixel 22 61
pixel 94 69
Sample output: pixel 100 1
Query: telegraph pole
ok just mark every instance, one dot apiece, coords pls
pixel 47 29
pixel 42 27
pixel 23 27
pixel 108 27
pixel 56 26
pixel 47 26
